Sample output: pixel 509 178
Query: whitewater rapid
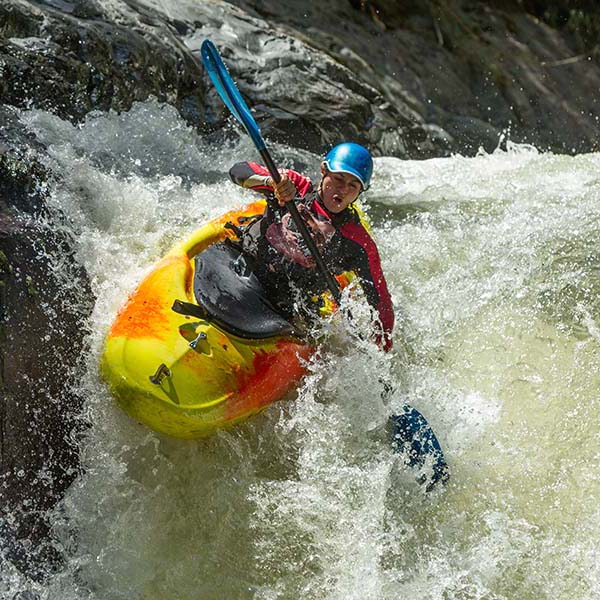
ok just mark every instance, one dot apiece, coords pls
pixel 494 267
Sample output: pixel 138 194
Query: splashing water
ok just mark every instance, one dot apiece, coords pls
pixel 493 263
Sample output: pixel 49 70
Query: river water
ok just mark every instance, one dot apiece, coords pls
pixel 494 267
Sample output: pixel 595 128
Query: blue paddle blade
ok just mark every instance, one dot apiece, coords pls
pixel 229 93
pixel 413 437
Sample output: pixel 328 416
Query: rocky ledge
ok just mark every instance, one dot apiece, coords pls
pixel 467 72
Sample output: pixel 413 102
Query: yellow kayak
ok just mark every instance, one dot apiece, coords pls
pixel 182 370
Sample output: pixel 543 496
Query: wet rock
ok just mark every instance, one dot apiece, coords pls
pixel 411 79
pixel 472 70
pixel 304 98
pixel 71 57
pixel 43 315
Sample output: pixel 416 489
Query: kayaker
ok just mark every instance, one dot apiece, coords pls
pixel 283 263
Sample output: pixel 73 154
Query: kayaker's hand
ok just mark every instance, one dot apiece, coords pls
pixel 285 190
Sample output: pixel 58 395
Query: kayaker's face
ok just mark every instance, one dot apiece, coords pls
pixel 338 190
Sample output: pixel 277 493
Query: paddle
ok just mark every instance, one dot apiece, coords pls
pixel 232 98
pixel 413 437
pixel 411 434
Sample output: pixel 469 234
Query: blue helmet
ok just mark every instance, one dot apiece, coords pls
pixel 351 158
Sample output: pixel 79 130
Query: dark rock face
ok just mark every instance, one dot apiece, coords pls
pixel 412 79
pixel 469 70
pixel 79 59
pixel 304 98
pixel 69 57
pixel 42 326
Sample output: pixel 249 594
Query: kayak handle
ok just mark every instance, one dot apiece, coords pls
pixel 200 337
pixel 162 372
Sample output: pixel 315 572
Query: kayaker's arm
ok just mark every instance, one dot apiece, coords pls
pixel 251 175
pixel 364 260
pixel 382 303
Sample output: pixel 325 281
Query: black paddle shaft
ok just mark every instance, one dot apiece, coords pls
pixel 332 283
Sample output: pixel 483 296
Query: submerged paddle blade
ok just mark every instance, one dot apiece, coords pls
pixel 229 93
pixel 413 437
